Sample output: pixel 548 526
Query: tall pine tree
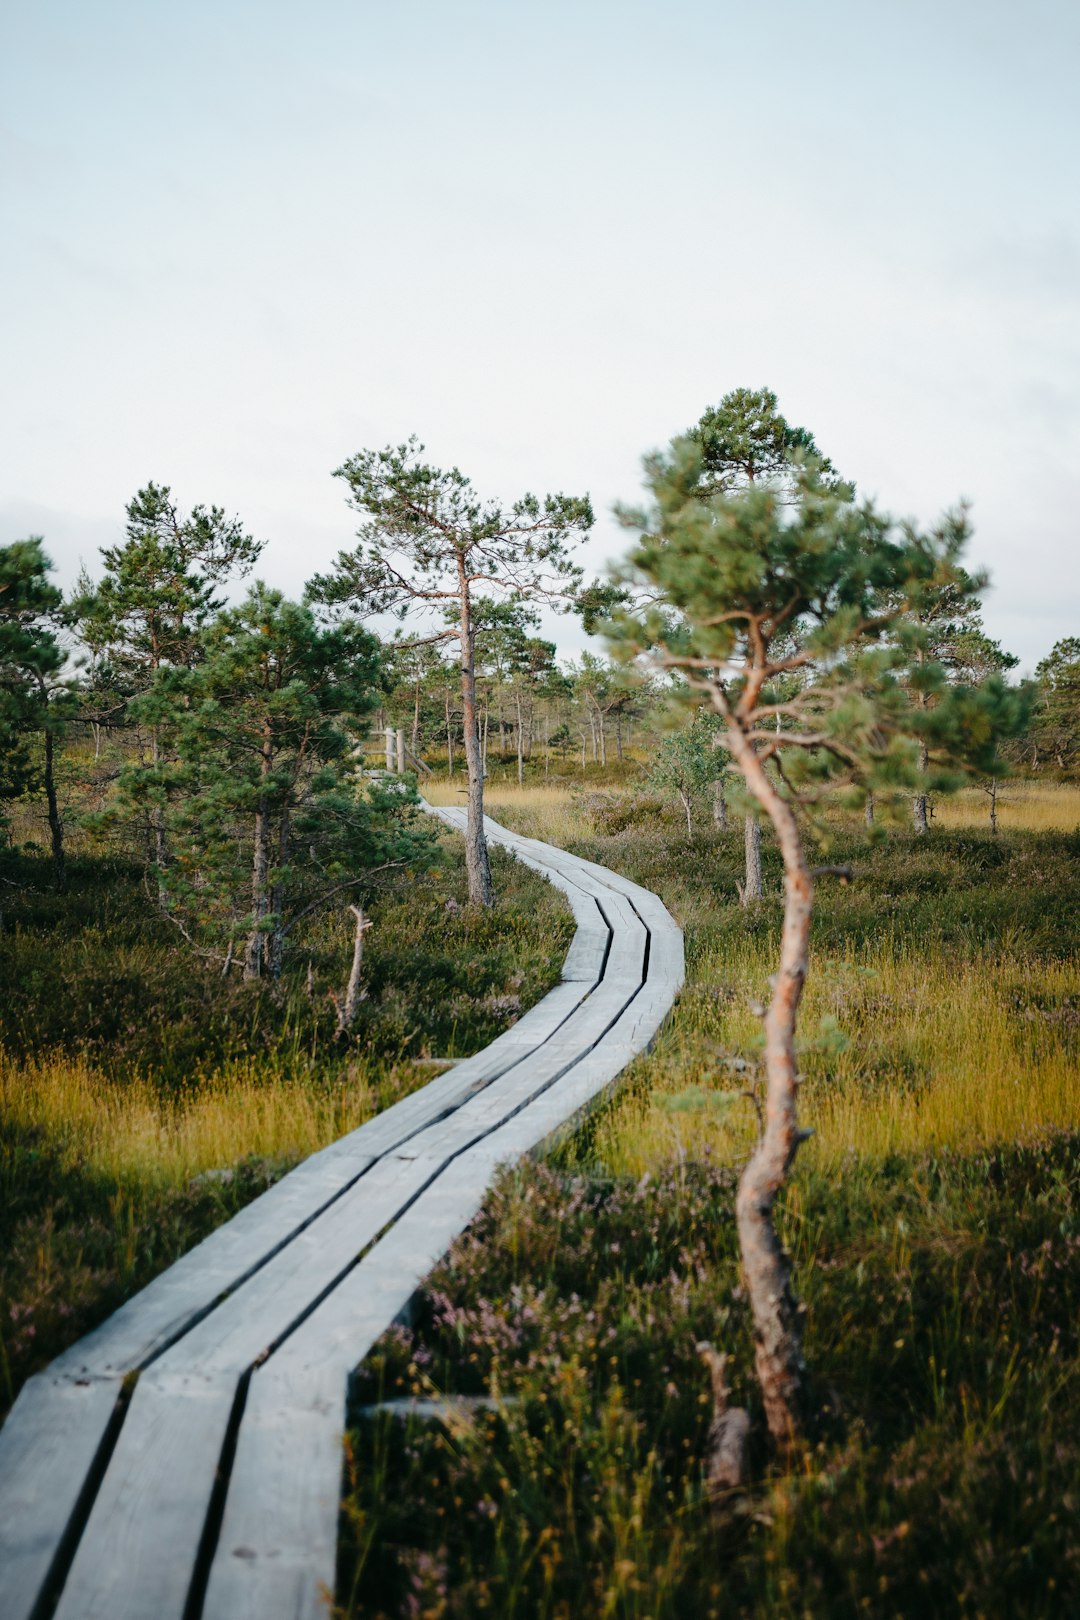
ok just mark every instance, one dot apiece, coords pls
pixel 429 540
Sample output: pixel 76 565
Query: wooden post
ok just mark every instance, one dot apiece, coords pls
pixel 389 748
pixel 401 751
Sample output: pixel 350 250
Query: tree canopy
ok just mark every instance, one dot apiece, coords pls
pixel 746 440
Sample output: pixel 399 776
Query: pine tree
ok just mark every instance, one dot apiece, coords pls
pixel 34 696
pixel 429 540
pixel 159 590
pixel 738 571
pixel 267 817
pixel 745 440
pixel 1056 729
pixel 946 630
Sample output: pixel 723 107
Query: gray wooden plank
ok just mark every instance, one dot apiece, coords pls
pixel 131 1564
pixel 226 1342
pixel 265 1307
pixel 349 1321
pixel 173 1302
pixel 246 1325
pixel 153 1317
pixel 48 1447
pixel 282 1561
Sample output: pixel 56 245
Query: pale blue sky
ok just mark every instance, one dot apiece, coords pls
pixel 243 241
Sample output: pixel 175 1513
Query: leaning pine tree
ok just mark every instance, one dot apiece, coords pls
pixel 741 570
pixel 428 541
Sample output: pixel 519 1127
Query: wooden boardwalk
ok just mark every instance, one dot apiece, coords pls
pixel 184 1460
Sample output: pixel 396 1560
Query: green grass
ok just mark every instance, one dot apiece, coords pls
pixel 935 1224
pixel 128 1069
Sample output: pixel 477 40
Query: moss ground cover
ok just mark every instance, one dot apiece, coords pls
pixel 935 1221
pixel 144 1099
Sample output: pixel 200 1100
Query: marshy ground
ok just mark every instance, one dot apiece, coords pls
pixel 934 1219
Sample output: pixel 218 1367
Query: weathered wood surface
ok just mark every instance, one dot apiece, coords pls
pixel 243 1349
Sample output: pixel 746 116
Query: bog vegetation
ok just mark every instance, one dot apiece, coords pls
pixel 227 934
pixel 933 1224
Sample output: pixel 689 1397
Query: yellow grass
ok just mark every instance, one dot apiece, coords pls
pixel 1021 806
pixel 553 813
pixel 130 1133
pixel 986 1051
pixel 983 1068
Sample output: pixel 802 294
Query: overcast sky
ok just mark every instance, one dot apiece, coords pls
pixel 245 240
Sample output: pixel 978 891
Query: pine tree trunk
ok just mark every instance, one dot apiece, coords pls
pixel 260 869
pixel 477 864
pixel 719 805
pixel 779 1361
pixel 618 738
pixel 56 825
pixel 260 866
pixel 752 888
pixel 603 739
pixel 993 804
pixel 685 799
pixel 868 810
pixel 918 803
pixel 275 950
pixel 157 821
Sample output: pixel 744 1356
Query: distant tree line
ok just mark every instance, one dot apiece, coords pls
pixel 241 726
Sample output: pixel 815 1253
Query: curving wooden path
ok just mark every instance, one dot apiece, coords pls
pixel 184 1460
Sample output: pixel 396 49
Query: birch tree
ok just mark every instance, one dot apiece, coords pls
pixel 686 765
pixel 428 541
pixel 739 570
